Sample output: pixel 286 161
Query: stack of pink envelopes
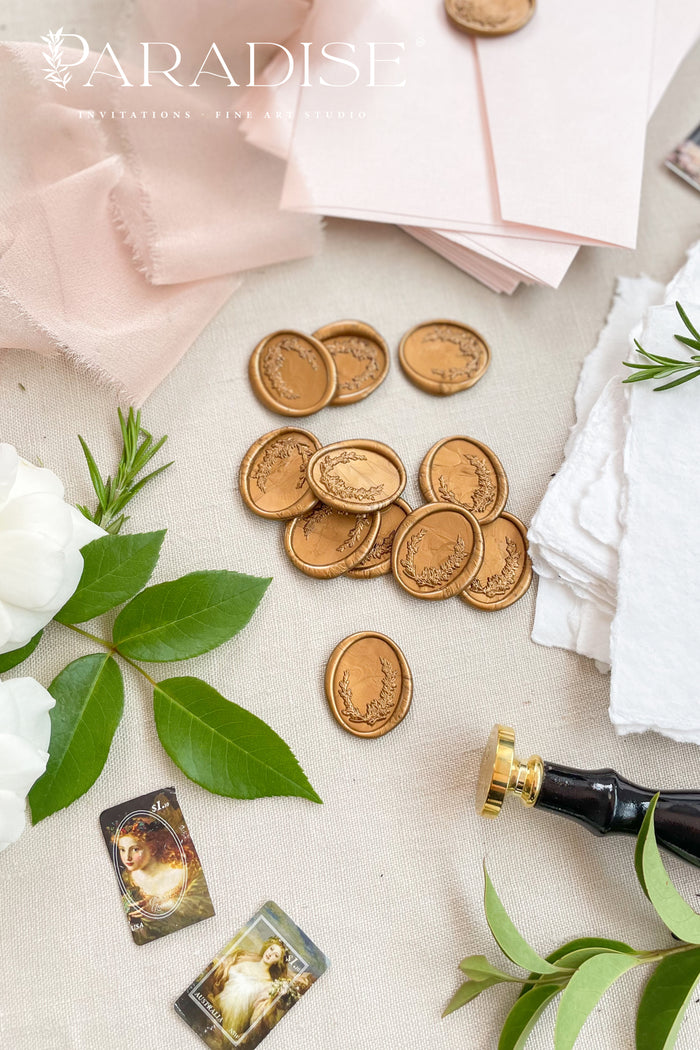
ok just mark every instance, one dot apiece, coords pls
pixel 503 154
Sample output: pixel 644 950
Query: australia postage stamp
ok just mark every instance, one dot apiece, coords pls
pixel 253 982
pixel 685 159
pixel 157 867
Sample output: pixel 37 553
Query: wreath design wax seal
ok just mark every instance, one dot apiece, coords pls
pixel 356 476
pixel 361 357
pixel 437 551
pixel 368 684
pixel 464 471
pixel 506 571
pixel 292 373
pixel 272 479
pixel 444 357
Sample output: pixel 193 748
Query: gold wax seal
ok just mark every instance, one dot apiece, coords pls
pixel 272 478
pixel 378 561
pixel 325 543
pixel 489 17
pixel 437 551
pixel 368 684
pixel 463 471
pixel 443 357
pixel 292 373
pixel 356 476
pixel 361 358
pixel 506 571
pixel 501 774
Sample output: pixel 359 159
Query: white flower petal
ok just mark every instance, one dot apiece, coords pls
pixel 84 531
pixel 20 764
pixel 36 479
pixel 23 625
pixel 12 817
pixel 40 513
pixel 31 569
pixel 24 710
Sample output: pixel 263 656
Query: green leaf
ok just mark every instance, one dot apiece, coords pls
pixel 186 617
pixel 687 322
pixel 678 382
pixel 89 696
pixel 594 945
pixel 511 943
pixel 583 992
pixel 223 747
pixel 10 660
pixel 478 968
pixel 656 883
pixel 466 992
pixel 116 568
pixel 524 1015
pixel 665 999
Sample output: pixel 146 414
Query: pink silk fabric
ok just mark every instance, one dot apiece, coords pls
pixel 121 238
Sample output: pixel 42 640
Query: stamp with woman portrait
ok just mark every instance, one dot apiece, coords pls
pixel 159 873
pixel 253 982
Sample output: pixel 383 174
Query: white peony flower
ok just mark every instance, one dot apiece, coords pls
pixel 40 541
pixel 25 730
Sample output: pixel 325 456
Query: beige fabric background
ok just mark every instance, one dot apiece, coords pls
pixel 386 875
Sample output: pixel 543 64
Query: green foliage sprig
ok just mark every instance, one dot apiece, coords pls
pixel 661 367
pixel 113 494
pixel 215 742
pixel 582 970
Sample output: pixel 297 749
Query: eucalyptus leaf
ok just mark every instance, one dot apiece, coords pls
pixel 89 696
pixel 466 992
pixel 188 616
pixel 665 998
pixel 509 940
pixel 478 968
pixel 583 993
pixel 580 944
pixel 115 569
pixel 223 747
pixel 12 659
pixel 524 1015
pixel 656 882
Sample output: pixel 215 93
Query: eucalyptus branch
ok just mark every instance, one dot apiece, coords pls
pixel 113 494
pixel 663 367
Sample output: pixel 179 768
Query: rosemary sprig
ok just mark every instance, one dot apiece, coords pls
pixel 661 367
pixel 114 493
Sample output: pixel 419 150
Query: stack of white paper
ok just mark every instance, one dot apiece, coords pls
pixel 613 538
pixel 505 154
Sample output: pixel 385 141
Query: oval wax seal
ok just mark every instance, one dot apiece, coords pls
pixel 378 561
pixel 506 571
pixel 437 551
pixel 272 478
pixel 464 471
pixel 489 17
pixel 361 358
pixel 356 476
pixel 368 684
pixel 325 543
pixel 292 373
pixel 443 357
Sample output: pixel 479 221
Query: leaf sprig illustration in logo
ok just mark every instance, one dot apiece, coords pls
pixel 55 71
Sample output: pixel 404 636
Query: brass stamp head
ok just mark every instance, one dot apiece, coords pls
pixel 501 774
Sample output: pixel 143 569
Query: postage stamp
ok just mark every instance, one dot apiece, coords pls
pixel 685 159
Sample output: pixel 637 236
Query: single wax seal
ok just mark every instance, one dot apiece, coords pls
pixel 368 684
pixel 443 357
pixel 356 476
pixel 378 561
pixel 506 571
pixel 463 471
pixel 489 17
pixel 437 551
pixel 292 373
pixel 361 358
pixel 272 479
pixel 325 542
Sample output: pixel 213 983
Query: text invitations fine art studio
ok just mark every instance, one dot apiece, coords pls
pixel 349 499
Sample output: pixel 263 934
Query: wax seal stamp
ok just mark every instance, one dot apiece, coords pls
pixel 443 357
pixel 368 684
pixel 437 551
pixel 325 543
pixel 506 571
pixel 465 472
pixel 489 17
pixel 378 561
pixel 292 373
pixel 272 478
pixel 361 358
pixel 356 476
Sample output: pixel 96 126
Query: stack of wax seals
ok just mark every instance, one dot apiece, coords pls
pixel 296 374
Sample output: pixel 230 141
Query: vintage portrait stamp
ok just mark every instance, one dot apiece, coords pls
pixel 252 983
pixel 157 867
pixel 685 159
